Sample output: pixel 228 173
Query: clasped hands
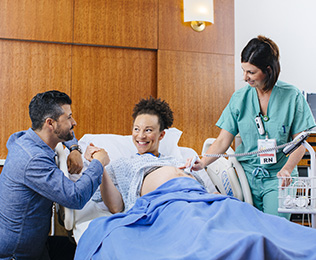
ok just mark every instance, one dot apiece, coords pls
pixel 93 152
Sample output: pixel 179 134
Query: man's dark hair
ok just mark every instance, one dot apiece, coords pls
pixel 47 105
pixel 156 107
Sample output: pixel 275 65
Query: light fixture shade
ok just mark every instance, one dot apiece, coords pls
pixel 198 10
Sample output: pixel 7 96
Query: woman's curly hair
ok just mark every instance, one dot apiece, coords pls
pixel 158 107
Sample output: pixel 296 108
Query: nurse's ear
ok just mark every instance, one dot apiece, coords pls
pixel 269 70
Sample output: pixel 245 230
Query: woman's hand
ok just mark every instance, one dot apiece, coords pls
pixel 91 149
pixel 286 177
pixel 292 161
pixel 193 163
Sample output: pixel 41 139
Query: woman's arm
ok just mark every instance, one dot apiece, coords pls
pixel 292 161
pixel 219 146
pixel 111 197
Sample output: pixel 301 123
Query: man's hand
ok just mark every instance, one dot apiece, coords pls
pixel 74 162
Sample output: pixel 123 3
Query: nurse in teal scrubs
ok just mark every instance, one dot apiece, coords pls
pixel 283 112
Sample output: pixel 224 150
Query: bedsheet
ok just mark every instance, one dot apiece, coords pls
pixel 180 220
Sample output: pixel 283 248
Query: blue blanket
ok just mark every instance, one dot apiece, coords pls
pixel 180 220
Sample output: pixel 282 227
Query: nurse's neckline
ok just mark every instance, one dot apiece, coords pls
pixel 263 94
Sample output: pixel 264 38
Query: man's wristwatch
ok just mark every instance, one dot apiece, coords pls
pixel 75 147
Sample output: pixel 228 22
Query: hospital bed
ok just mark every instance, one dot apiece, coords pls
pixel 179 220
pixel 226 174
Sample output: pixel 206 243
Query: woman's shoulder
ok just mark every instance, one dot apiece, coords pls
pixel 283 86
pixel 242 94
pixel 243 91
pixel 288 91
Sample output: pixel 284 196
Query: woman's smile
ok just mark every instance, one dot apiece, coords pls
pixel 146 134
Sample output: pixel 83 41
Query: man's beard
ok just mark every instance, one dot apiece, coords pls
pixel 64 135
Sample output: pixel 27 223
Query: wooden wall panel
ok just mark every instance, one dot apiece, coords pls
pixel 26 69
pixel 174 34
pixel 197 86
pixel 44 20
pixel 106 84
pixel 129 23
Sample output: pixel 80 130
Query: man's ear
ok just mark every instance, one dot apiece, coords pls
pixel 49 122
pixel 162 134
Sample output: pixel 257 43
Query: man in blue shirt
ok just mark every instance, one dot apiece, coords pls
pixel 31 181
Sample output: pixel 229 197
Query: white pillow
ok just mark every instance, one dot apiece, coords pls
pixel 169 144
pixel 119 146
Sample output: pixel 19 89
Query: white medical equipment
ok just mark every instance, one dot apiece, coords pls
pixel 259 125
pixel 228 175
pixel 194 160
pixel 300 195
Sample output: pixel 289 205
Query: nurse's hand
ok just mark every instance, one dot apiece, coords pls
pixel 194 163
pixel 286 177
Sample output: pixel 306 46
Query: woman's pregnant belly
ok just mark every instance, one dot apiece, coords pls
pixel 158 177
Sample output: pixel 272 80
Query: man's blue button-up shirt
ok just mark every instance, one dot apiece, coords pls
pixel 29 183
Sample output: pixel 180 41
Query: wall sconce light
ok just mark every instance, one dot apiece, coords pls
pixel 198 12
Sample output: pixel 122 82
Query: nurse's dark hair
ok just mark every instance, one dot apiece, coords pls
pixel 263 53
pixel 155 106
pixel 47 105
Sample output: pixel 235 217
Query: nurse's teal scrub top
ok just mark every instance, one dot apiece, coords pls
pixel 288 114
